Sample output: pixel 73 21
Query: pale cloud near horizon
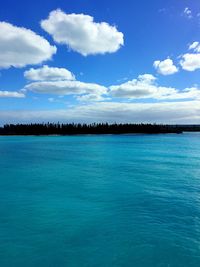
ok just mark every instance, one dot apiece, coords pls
pixel 20 47
pixel 46 73
pixel 81 34
pixel 165 67
pixel 165 112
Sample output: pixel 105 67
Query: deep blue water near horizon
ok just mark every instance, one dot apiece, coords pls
pixel 100 201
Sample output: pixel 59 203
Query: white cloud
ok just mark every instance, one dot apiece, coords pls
pixel 165 67
pixel 165 112
pixel 60 81
pixel 190 62
pixel 187 12
pixel 11 94
pixel 80 33
pixel 20 47
pixel 187 93
pixel 48 74
pixel 145 87
pixel 66 88
pixel 142 87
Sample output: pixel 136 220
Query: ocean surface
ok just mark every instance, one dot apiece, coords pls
pixel 100 201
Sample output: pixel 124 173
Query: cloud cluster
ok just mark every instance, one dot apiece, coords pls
pixel 191 61
pixel 20 47
pixel 165 67
pixel 145 87
pixel 81 34
pixel 60 81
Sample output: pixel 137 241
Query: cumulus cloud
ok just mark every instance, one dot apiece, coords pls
pixel 11 94
pixel 145 87
pixel 142 87
pixel 20 47
pixel 66 88
pixel 165 112
pixel 190 62
pixel 46 73
pixel 165 67
pixel 81 34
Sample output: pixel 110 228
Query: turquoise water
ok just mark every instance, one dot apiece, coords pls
pixel 100 201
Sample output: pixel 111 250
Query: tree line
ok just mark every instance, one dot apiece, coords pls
pixel 94 128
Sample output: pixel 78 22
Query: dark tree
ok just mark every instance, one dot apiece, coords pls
pixel 94 128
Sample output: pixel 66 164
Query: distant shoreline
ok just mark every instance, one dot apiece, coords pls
pixel 59 135
pixel 58 129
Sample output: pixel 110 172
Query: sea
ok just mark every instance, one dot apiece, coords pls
pixel 100 201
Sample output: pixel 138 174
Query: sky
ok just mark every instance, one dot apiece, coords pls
pixel 100 61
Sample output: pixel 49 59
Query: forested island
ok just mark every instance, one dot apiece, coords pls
pixel 94 128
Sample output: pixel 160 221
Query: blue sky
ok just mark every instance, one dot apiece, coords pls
pixel 88 61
